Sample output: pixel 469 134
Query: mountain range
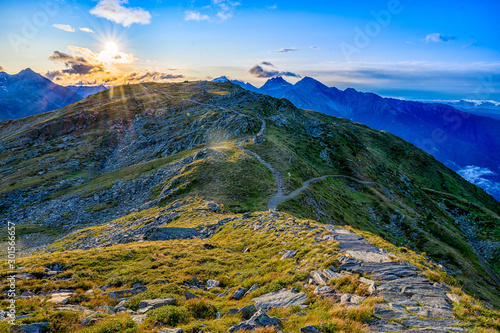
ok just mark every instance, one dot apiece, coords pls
pixel 461 139
pixel 202 206
pixel 444 131
pixel 27 93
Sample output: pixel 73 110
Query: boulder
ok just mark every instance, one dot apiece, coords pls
pixel 355 299
pixel 454 297
pixel 319 278
pixel 309 329
pixel 323 289
pixel 138 318
pixel 171 330
pixel 331 274
pixel 133 291
pixel 372 286
pixel 105 309
pixel 281 298
pixel 258 320
pixel 239 293
pixel 31 328
pixel 150 304
pixel 60 297
pixel 252 289
pixel 289 254
pixel 189 295
pixel 212 284
pixel 248 311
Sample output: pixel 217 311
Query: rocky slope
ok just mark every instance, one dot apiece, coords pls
pixel 142 167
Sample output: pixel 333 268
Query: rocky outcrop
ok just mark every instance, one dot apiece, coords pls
pixel 259 319
pixel 410 298
pixel 281 298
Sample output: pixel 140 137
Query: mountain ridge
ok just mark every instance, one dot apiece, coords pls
pixel 28 93
pixel 173 183
pixel 439 129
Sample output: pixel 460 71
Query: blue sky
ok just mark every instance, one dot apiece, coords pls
pixel 410 49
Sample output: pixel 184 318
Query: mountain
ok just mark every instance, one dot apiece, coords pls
pixel 244 85
pixel 479 108
pixel 160 205
pixel 220 79
pixel 441 130
pixel 28 93
pixel 274 86
pixel 86 91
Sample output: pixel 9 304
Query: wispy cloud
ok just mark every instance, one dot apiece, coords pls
pixel 64 27
pixel 314 47
pixel 477 175
pixel 87 30
pixel 115 11
pixel 151 76
pixel 267 63
pixel 437 37
pixel 286 50
pixel 111 66
pixel 260 72
pixel 217 11
pixel 273 7
pixel 471 44
pixel 191 15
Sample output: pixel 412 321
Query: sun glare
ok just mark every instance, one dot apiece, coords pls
pixel 111 54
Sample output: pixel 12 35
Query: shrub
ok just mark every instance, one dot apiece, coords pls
pixel 115 325
pixel 169 315
pixel 201 309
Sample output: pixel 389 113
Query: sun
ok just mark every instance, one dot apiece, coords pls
pixel 111 47
pixel 111 54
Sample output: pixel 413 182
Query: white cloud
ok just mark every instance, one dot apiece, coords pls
pixel 114 11
pixel 219 10
pixel 87 30
pixel 476 175
pixel 195 16
pixel 286 50
pixel 273 7
pixel 64 27
pixel 315 47
pixel 436 37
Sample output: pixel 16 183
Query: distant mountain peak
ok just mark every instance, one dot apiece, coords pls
pixel 277 79
pixel 27 71
pixel 221 79
pixel 276 83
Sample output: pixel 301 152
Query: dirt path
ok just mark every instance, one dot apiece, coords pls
pixel 280 197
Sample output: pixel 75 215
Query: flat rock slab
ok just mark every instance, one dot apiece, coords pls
pixel 60 298
pixel 383 311
pixel 369 256
pixel 281 298
pixel 428 311
pixel 424 323
pixel 385 326
pixel 150 304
